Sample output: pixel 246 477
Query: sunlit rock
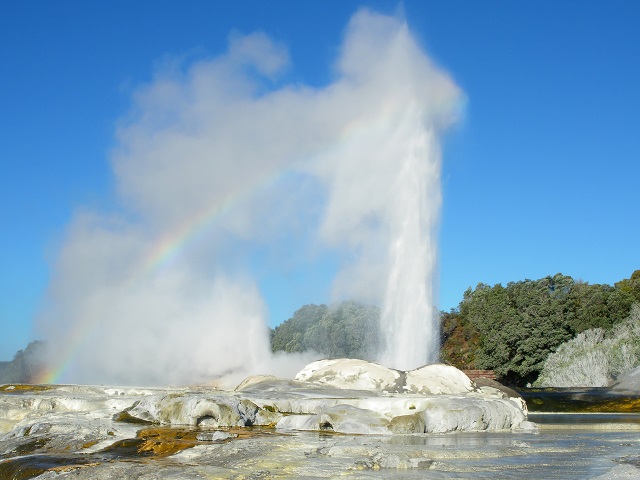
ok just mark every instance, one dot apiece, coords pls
pixel 197 409
pixel 278 388
pixel 471 415
pixel 620 472
pixel 438 379
pixel 85 429
pixel 346 373
pixel 341 418
pixel 407 424
pixel 350 373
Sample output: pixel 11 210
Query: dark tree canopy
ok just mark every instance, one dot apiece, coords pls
pixel 521 324
pixel 631 286
pixel 348 329
pixel 458 339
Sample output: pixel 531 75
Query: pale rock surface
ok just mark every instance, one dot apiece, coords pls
pixel 438 379
pixel 346 396
pixel 628 383
pixel 86 429
pixel 342 418
pixel 212 410
pixel 621 472
pixel 350 373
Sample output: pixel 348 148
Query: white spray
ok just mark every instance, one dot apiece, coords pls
pixel 409 326
pixel 385 193
pixel 210 139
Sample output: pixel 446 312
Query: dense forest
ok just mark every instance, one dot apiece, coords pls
pixel 513 329
pixel 510 329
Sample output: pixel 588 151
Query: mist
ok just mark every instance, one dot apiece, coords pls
pixel 221 157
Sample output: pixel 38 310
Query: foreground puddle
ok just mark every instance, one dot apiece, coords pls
pixel 31 466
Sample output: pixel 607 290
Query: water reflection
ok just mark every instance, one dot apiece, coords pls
pixel 595 419
pixel 585 447
pixel 556 454
pixel 466 440
pixel 577 400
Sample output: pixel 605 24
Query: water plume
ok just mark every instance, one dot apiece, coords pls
pixel 221 159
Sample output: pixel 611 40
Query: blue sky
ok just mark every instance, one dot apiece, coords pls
pixel 539 177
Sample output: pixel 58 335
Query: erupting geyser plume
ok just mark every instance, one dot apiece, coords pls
pixel 409 317
pixel 221 161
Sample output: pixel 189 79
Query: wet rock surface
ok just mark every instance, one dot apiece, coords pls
pixel 322 425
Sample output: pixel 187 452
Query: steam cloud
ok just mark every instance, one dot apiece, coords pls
pixel 354 164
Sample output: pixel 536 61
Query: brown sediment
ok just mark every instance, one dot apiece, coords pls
pixel 154 442
pixel 68 468
pixel 30 447
pixel 161 442
pixel 23 388
pixel 624 405
pixel 579 401
pixel 90 443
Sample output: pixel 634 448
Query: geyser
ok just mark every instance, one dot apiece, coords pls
pixel 409 322
pixel 221 161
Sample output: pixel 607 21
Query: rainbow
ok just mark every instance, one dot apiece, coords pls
pixel 169 245
pixel 166 248
pixel 56 373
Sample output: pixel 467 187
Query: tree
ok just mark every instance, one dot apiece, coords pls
pixel 458 339
pixel 520 325
pixel 631 286
pixel 349 329
pixel 289 335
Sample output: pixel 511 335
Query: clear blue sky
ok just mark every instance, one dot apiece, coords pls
pixel 540 177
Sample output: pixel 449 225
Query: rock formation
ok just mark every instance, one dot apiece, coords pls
pixel 345 396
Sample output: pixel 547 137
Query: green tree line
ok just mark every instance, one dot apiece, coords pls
pixel 510 329
pixel 513 329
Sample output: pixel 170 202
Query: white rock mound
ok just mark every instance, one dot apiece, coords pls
pixel 350 373
pixel 438 379
pixel 434 398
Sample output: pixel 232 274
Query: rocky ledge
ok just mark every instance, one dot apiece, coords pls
pixel 61 428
